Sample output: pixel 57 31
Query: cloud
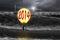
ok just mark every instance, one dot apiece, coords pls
pixel 44 4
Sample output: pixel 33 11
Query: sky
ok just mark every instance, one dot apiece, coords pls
pixel 45 5
pixel 9 5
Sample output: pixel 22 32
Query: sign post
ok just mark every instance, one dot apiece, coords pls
pixel 24 16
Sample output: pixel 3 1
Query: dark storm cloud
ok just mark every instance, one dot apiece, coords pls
pixel 8 4
pixel 46 5
pixel 41 3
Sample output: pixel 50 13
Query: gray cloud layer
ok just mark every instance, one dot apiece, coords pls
pixel 41 4
pixel 9 4
pixel 44 4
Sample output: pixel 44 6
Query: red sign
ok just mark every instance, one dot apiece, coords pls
pixel 24 15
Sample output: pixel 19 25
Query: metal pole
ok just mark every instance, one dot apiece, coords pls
pixel 23 27
pixel 15 7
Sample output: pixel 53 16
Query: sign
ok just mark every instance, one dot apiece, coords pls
pixel 24 15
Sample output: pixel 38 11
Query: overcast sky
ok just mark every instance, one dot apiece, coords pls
pixel 46 5
pixel 8 5
pixel 41 4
